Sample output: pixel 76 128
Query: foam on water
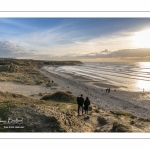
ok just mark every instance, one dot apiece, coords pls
pixel 133 76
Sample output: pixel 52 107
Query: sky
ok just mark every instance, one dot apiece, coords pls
pixel 75 38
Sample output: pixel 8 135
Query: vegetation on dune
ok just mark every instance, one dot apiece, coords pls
pixel 144 119
pixel 118 127
pixel 30 78
pixel 4 112
pixel 62 108
pixel 22 70
pixel 20 106
pixel 10 68
pixel 60 97
pixel 102 121
pixel 123 113
pixel 30 63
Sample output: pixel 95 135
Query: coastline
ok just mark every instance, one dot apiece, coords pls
pixel 47 101
pixel 137 103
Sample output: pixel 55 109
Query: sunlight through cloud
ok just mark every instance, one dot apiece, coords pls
pixel 141 39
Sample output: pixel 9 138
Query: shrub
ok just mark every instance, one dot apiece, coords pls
pixel 102 121
pixel 61 97
pixel 123 113
pixel 97 110
pixel 144 119
pixel 86 117
pixel 117 127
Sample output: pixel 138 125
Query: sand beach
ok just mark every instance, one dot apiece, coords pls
pixel 137 103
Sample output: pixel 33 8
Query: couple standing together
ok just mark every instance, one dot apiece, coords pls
pixel 83 104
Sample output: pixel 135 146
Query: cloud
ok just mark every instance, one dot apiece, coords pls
pixel 54 44
pixel 105 51
pixel 65 39
pixel 124 54
pixel 9 49
pixel 64 42
pixel 141 52
pixel 17 24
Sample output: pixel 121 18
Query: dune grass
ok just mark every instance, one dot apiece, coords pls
pixel 25 78
pixel 21 71
pixel 123 113
pixel 144 119
pixel 60 97
pixel 12 104
pixel 118 127
pixel 102 121
pixel 62 100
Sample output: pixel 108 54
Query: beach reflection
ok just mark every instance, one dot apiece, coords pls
pixel 143 85
pixel 144 66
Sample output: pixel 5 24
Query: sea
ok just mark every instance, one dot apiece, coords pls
pixel 130 76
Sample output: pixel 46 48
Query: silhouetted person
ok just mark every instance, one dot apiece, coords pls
pixel 80 101
pixel 52 81
pixel 106 90
pixel 86 105
pixel 109 90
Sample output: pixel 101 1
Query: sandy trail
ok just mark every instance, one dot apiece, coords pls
pixel 137 103
pixel 26 90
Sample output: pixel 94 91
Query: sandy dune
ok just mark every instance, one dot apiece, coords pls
pixel 26 90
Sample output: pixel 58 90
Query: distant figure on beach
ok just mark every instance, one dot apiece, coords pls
pixel 80 101
pixel 52 81
pixel 106 90
pixel 86 105
pixel 109 90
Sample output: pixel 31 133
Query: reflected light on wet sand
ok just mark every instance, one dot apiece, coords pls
pixel 141 84
pixel 145 66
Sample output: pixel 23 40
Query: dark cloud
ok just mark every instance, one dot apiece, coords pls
pixel 141 52
pixel 9 49
pixel 105 51
pixel 124 53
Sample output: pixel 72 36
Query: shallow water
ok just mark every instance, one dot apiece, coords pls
pixel 133 76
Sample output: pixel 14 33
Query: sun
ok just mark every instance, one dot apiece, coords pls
pixel 141 39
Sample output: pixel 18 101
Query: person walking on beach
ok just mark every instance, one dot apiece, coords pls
pixel 106 90
pixel 80 101
pixel 86 105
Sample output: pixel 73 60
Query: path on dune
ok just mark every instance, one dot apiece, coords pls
pixel 26 90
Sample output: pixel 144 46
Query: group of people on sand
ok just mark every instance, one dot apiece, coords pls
pixel 83 104
pixel 108 90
